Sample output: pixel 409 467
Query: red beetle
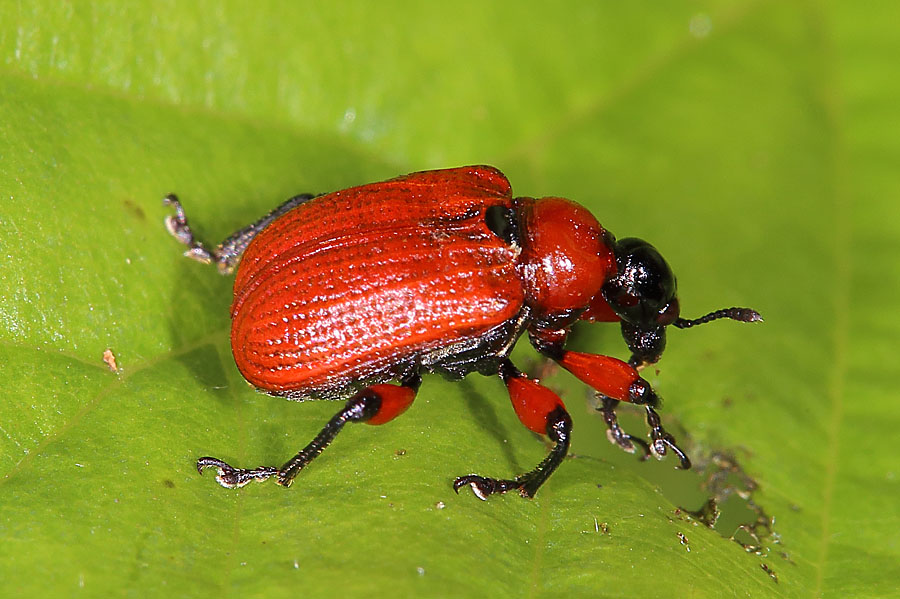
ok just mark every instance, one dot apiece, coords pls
pixel 439 272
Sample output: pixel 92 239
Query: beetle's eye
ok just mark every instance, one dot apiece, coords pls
pixel 669 314
pixel 502 222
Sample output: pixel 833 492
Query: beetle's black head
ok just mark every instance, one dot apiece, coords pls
pixel 642 294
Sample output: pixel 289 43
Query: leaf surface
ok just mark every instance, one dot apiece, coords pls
pixel 754 143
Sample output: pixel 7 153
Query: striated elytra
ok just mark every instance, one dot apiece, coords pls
pixel 440 272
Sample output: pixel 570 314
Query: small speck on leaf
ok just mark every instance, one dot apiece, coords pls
pixel 770 572
pixel 110 358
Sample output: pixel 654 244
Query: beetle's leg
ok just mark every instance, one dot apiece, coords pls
pixel 615 381
pixel 662 441
pixel 374 405
pixel 615 434
pixel 609 376
pixel 542 411
pixel 227 254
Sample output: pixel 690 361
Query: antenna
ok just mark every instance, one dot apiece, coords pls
pixel 741 314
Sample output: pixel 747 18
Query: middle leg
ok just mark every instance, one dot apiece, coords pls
pixel 540 410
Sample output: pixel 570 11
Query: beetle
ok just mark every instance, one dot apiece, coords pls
pixel 440 271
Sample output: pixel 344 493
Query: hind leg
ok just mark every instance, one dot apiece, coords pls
pixel 227 254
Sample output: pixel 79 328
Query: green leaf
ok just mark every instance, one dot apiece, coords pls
pixel 754 143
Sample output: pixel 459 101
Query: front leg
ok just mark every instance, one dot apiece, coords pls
pixel 614 381
pixel 615 434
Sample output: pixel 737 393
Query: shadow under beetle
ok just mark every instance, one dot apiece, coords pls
pixel 439 272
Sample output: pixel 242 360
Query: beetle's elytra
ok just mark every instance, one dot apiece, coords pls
pixel 440 272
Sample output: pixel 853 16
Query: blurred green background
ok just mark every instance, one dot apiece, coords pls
pixel 754 143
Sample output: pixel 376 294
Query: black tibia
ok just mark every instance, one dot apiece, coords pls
pixel 227 254
pixel 559 429
pixel 358 408
pixel 615 434
pixel 660 440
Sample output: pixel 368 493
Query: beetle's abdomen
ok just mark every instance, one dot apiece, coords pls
pixel 355 283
